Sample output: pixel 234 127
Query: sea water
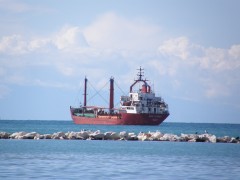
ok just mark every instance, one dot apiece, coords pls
pixel 83 159
pixel 44 127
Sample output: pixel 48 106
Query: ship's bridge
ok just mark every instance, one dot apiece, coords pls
pixel 143 100
pixel 141 96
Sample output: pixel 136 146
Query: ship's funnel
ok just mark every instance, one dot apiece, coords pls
pixel 144 88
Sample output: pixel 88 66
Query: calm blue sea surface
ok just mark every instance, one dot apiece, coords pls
pixel 65 126
pixel 83 159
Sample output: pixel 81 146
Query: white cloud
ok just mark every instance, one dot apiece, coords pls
pixel 220 60
pixel 163 67
pixel 111 31
pixel 110 34
pixel 112 40
pixel 212 69
pixel 178 47
pixel 37 44
pixel 69 37
pixel 234 51
pixel 13 44
pixel 214 59
pixel 19 45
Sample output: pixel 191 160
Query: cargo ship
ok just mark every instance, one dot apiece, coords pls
pixel 140 107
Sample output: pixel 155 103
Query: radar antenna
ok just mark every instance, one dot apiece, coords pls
pixel 140 73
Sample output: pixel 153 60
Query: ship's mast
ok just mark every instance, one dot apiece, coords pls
pixel 111 97
pixel 85 92
pixel 140 74
pixel 140 79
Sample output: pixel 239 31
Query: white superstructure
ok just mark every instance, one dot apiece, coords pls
pixel 143 101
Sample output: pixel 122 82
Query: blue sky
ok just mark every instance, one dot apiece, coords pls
pixel 190 51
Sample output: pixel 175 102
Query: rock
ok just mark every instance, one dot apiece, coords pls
pixel 114 136
pixel 188 137
pixel 212 139
pixel 144 136
pixel 132 137
pixel 83 135
pixel 39 136
pixel 156 136
pixel 71 135
pixel 203 138
pixel 140 136
pixel 30 135
pixel 59 135
pixel 47 136
pixel 18 135
pixel 4 135
pixel 192 140
pixel 225 139
pixel 233 140
pixel 107 135
pixel 123 135
pixel 169 137
pixel 97 135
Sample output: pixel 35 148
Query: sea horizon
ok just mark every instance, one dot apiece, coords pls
pixel 120 125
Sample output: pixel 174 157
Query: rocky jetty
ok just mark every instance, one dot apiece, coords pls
pixel 128 136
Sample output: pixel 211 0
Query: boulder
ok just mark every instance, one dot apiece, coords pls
pixel 212 139
pixel 47 136
pixel 39 136
pixel 155 136
pixel 208 138
pixel 169 137
pixel 188 137
pixel 18 135
pixel 30 135
pixel 233 140
pixel 107 135
pixel 144 136
pixel 192 140
pixel 83 135
pixel 59 135
pixel 225 139
pixel 132 137
pixel 71 135
pixel 97 135
pixel 123 135
pixel 203 138
pixel 114 136
pixel 4 135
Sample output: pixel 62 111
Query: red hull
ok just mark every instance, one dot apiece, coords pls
pixel 126 119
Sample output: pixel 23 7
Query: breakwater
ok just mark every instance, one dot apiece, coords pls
pixel 128 136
